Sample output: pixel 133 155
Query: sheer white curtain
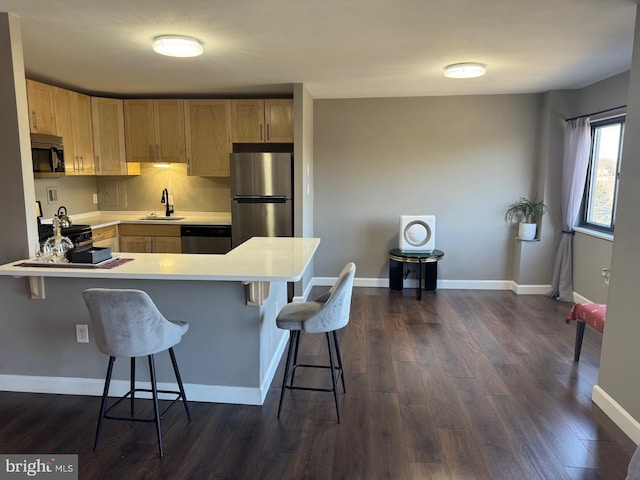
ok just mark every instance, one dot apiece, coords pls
pixel 577 146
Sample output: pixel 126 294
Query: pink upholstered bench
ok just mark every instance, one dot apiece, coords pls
pixel 592 314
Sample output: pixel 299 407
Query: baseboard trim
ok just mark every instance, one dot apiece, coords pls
pixel 93 387
pixel 442 284
pixel 577 298
pixel 616 413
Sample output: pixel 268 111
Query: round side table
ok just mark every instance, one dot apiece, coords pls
pixel 429 258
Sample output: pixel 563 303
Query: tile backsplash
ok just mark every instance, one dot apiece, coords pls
pixel 137 193
pixel 143 192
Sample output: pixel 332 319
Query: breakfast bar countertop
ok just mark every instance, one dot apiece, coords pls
pixel 259 259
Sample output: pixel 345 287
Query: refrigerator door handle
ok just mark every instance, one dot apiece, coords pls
pixel 250 199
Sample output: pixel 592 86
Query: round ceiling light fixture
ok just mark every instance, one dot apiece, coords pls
pixel 177 46
pixel 465 70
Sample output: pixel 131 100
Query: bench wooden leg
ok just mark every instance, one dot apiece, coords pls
pixel 579 336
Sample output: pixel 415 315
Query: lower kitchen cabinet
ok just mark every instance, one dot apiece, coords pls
pixel 136 238
pixel 106 237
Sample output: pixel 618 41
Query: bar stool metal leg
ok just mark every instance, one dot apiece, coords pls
pixel 103 404
pixel 132 380
pixel 334 380
pixel 179 379
pixel 335 341
pixel 295 356
pixel 156 412
pixel 292 335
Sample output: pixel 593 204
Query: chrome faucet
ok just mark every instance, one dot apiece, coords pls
pixel 168 210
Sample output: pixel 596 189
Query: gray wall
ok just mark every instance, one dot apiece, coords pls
pixel 618 362
pixel 462 158
pixel 592 254
pixel 303 168
pixel 16 182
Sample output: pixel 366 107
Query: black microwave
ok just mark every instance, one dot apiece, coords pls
pixel 47 154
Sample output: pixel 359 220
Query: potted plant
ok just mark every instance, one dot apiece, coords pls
pixel 527 211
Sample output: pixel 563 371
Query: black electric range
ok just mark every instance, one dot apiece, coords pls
pixel 80 235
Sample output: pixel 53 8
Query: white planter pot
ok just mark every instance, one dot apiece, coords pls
pixel 527 231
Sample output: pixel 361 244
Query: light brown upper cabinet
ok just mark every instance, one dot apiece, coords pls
pixel 262 121
pixel 154 131
pixel 42 117
pixel 73 124
pixel 108 136
pixel 278 115
pixel 208 131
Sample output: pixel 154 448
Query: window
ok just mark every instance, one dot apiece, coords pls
pixel 601 188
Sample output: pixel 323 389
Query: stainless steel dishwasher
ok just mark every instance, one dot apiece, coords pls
pixel 205 238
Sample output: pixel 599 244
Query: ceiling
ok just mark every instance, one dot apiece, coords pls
pixel 337 48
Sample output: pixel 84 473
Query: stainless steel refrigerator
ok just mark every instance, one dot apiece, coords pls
pixel 261 196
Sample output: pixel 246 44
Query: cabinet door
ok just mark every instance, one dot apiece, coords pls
pixel 64 128
pixel 108 136
pixel 169 131
pixel 135 244
pixel 104 233
pixel 41 108
pixel 248 121
pixel 166 244
pixel 279 120
pixel 83 132
pixel 139 136
pixel 111 243
pixel 207 123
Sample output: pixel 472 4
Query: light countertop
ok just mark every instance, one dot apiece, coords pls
pixel 106 218
pixel 260 259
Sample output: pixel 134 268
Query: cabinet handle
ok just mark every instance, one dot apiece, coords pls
pixel 268 132
pixel 98 168
pixel 188 166
pixel 81 162
pixel 261 137
pixel 35 120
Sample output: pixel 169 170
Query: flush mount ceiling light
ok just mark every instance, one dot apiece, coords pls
pixel 465 70
pixel 177 46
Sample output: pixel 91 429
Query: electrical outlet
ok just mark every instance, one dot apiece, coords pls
pixel 95 198
pixel 82 333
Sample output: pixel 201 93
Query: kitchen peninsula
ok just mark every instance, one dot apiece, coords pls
pixel 230 301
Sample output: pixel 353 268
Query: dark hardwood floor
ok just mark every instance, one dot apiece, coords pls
pixel 461 385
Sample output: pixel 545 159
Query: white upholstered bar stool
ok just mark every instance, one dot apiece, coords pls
pixel 128 324
pixel 326 314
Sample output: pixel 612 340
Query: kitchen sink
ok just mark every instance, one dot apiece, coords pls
pixel 161 217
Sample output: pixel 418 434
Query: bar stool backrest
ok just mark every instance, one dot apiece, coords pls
pixel 334 313
pixel 126 323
